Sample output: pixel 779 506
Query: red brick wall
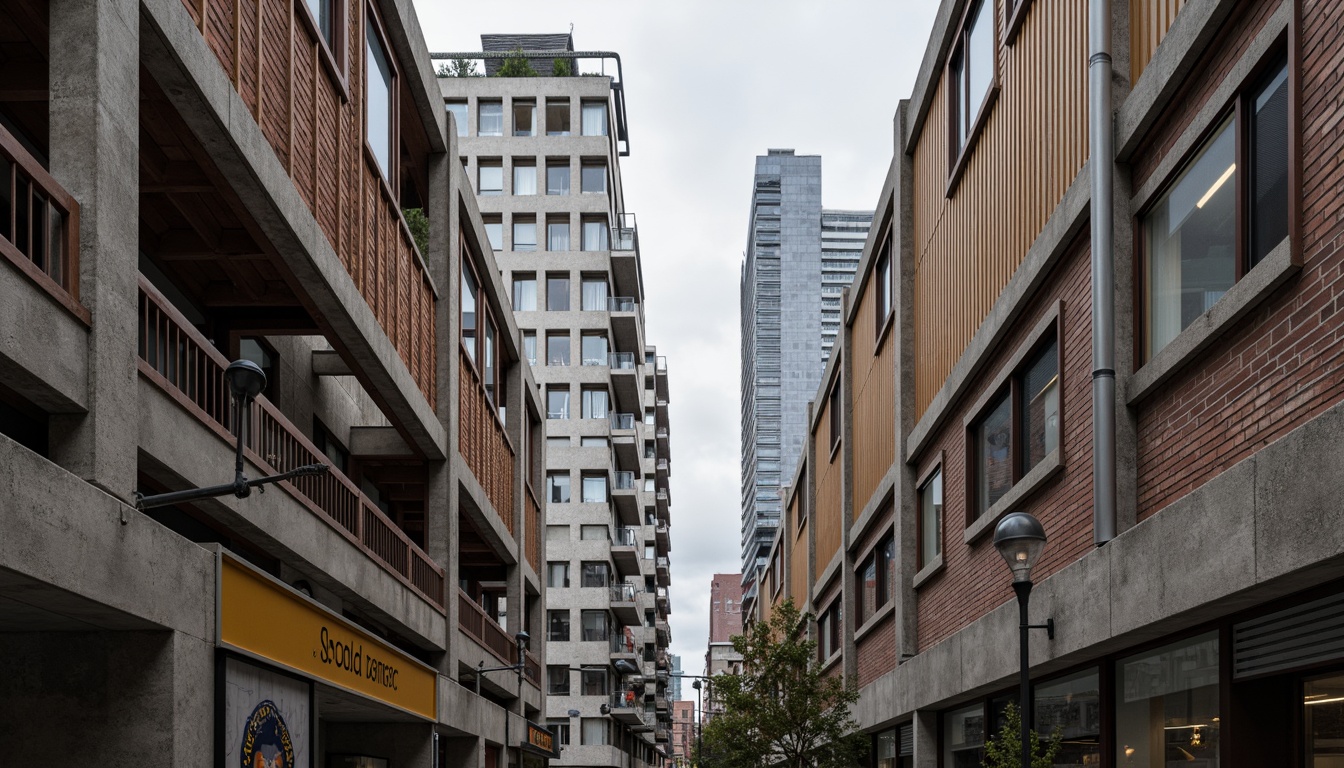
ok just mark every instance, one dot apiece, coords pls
pixel 1281 365
pixel 974 579
pixel 876 651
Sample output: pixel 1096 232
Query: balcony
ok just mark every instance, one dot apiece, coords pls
pixel 627 441
pixel 664 633
pixel 625 603
pixel 474 622
pixel 625 550
pixel 175 357
pixel 660 378
pixel 39 226
pixel 663 534
pixel 663 416
pixel 662 505
pixel 625 380
pixel 626 647
pixel 664 445
pixel 625 257
pixel 627 707
pixel 483 442
pixel 624 322
pixel 664 469
pixel 661 592
pixel 625 497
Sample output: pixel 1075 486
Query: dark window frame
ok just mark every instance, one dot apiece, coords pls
pixel 875 557
pixel 835 416
pixel 372 19
pixel 1015 12
pixel 335 54
pixel 959 151
pixel 935 470
pixel 884 302
pixel 551 626
pixel 485 318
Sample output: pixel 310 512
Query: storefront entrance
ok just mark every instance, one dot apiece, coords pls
pixel 1323 721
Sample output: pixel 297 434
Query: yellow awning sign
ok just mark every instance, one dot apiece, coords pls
pixel 261 617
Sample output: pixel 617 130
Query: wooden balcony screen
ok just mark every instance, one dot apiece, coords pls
pixel 481 627
pixel 827 517
pixel 39 225
pixel 314 120
pixel 1149 21
pixel 798 555
pixel 180 361
pixel 873 371
pixel 483 444
pixel 533 533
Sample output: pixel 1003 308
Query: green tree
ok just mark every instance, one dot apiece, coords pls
pixel 561 68
pixel 516 65
pixel 1005 749
pixel 458 68
pixel 418 223
pixel 781 712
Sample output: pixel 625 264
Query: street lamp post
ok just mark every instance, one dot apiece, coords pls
pixel 699 723
pixel 1020 539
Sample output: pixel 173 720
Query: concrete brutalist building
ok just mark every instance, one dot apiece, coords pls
pixel 187 184
pixel 544 153
pixel 799 259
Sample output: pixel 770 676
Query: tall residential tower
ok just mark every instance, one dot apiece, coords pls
pixel 798 261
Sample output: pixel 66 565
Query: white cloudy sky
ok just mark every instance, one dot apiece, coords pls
pixel 710 84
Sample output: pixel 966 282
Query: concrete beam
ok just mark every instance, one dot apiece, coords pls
pixel 377 442
pixel 43 348
pixel 328 362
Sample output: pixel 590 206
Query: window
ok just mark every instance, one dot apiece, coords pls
pixel 964 736
pixel 594 234
pixel 1004 452
pixel 557 292
pixel 594 682
pixel 594 294
pixel 490 118
pixel 557 534
pixel 594 731
pixel 594 625
pixel 490 178
pixel 494 231
pixel 524 233
pixel 557 402
pixel 970 74
pixel 836 417
pixel 557 487
pixel 557 117
pixel 594 177
pixel 557 348
pixel 524 177
pixel 525 293
pixel 593 442
pixel 557 176
pixel 530 347
pixel 829 632
pixel 557 625
pixel 558 442
pixel 561 730
pixel 931 518
pixel 458 109
pixel 594 118
pixel 469 311
pixel 324 16
pixel 595 489
pixel 557 576
pixel 596 403
pixel 594 349
pixel 594 533
pixel 872 585
pixel 379 99
pixel 256 350
pixel 1192 235
pixel 524 118
pixel 1072 706
pixel 1166 702
pixel 557 233
pixel 557 679
pixel 883 284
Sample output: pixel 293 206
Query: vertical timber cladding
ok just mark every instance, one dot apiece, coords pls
pixel 1149 21
pixel 828 517
pixel 314 121
pixel 1032 146
pixel 797 561
pixel 873 372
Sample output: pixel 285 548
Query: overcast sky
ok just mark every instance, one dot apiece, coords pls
pixel 709 86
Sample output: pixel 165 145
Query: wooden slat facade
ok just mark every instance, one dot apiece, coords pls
pixel 873 374
pixel 797 564
pixel 483 444
pixel 315 125
pixel 1149 21
pixel 1032 146
pixel 827 516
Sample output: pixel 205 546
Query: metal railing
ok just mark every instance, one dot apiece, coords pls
pixel 626 537
pixel 623 593
pixel 620 304
pixel 623 640
pixel 625 235
pixel 623 421
pixel 39 225
pixel 623 480
pixel 622 361
pixel 180 361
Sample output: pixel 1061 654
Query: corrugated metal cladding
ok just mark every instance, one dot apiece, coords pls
pixel 906 737
pixel 1149 21
pixel 1033 145
pixel 1305 634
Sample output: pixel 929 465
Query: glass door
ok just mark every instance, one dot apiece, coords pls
pixel 1323 721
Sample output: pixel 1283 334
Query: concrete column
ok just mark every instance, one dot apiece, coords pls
pixel 850 663
pixel 440 513
pixel 462 752
pixel 926 739
pixel 94 138
pixel 903 306
pixel 1126 325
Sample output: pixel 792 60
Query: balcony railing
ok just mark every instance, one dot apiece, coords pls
pixel 483 443
pixel 622 421
pixel 177 358
pixel 626 537
pixel 622 361
pixel 473 620
pixel 626 699
pixel 39 225
pixel 625 235
pixel 623 480
pixel 533 523
pixel 623 593
pixel 623 640
pixel 661 364
pixel 620 304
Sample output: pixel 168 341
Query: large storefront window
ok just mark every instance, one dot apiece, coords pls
pixel 1071 706
pixel 964 737
pixel 1166 709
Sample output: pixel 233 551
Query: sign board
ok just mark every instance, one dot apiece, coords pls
pixel 268 717
pixel 541 741
pixel 261 617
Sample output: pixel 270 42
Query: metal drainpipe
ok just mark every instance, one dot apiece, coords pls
pixel 1102 151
